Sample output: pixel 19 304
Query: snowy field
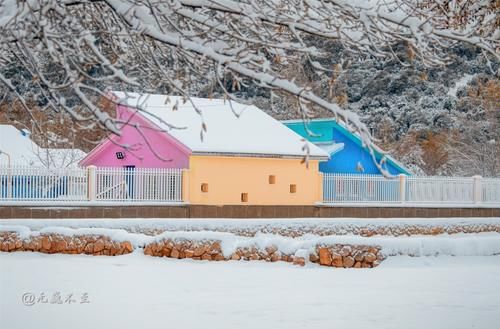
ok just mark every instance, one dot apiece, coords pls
pixel 137 291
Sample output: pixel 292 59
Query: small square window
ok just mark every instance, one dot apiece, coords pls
pixel 204 187
pixel 293 188
pixel 244 197
pixel 272 179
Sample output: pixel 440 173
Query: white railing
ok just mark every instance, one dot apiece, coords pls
pixel 423 189
pixel 491 190
pixel 412 190
pixel 145 184
pixel 38 184
pixel 32 184
pixel 357 188
pixel 149 185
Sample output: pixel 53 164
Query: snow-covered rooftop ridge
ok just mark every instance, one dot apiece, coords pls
pixel 22 150
pixel 231 127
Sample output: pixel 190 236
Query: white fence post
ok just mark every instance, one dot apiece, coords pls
pixel 185 197
pixel 9 182
pixel 478 189
pixel 402 188
pixel 91 183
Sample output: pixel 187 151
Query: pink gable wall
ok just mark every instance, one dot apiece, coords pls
pixel 166 151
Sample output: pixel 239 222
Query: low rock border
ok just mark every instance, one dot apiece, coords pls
pixel 62 244
pixel 348 256
pixel 339 255
pixel 320 229
pixel 335 250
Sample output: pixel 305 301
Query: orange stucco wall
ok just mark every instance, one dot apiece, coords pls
pixel 229 177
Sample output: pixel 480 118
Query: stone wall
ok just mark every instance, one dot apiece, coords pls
pixel 356 256
pixel 211 250
pixel 332 228
pixel 338 255
pixel 62 244
pixel 396 229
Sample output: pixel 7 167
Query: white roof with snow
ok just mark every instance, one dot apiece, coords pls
pixel 231 128
pixel 23 151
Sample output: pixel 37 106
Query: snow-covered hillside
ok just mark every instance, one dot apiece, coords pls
pixel 439 120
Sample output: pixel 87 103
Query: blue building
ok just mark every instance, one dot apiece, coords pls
pixel 347 154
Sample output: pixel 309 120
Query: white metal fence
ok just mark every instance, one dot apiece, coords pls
pixel 491 190
pixel 416 190
pixel 359 188
pixel 31 184
pixel 119 185
pixel 146 185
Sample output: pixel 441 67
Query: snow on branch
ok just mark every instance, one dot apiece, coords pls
pixel 66 54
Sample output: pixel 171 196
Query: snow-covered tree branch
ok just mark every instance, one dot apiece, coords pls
pixel 64 55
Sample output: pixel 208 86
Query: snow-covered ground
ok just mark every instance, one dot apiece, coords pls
pixel 137 291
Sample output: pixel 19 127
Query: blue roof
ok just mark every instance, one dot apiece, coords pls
pixel 320 131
